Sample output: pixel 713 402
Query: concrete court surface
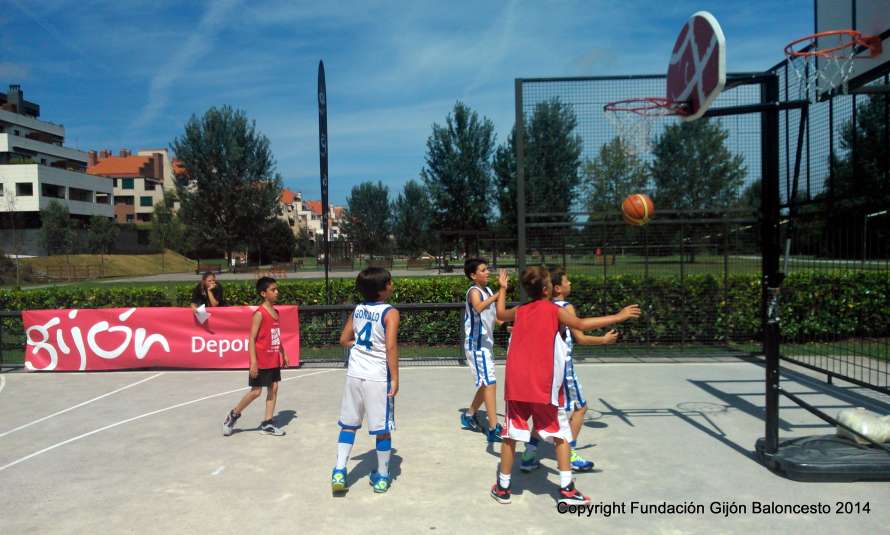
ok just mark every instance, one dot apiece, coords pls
pixel 142 452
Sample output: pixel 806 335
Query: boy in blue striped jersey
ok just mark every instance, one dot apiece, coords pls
pixel 479 322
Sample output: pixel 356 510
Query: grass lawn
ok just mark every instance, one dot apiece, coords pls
pixel 58 266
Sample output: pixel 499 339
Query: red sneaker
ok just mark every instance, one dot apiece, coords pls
pixel 500 494
pixel 571 496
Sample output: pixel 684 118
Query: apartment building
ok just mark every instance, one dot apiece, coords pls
pixel 37 168
pixel 139 180
pixel 299 214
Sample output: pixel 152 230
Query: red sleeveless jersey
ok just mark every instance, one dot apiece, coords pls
pixel 530 357
pixel 268 340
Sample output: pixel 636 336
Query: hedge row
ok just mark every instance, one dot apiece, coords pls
pixel 817 306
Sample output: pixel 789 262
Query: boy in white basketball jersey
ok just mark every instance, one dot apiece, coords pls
pixel 372 376
pixel 479 321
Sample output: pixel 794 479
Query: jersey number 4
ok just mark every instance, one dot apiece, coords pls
pixel 364 336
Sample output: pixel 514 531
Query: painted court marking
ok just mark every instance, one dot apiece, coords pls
pixel 141 416
pixel 2 382
pixel 218 471
pixel 63 411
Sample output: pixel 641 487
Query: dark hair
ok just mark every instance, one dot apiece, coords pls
pixel 207 274
pixel 534 281
pixel 371 281
pixel 556 275
pixel 263 283
pixel 471 265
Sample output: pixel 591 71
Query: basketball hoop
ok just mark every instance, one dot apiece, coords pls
pixel 633 118
pixel 840 48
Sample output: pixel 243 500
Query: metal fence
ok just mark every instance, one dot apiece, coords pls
pixel 832 218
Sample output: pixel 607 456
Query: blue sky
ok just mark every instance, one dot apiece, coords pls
pixel 129 74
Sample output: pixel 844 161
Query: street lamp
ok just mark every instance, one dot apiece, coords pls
pixel 865 233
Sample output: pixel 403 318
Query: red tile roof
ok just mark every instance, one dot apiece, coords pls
pixel 124 166
pixel 178 168
pixel 313 206
pixel 287 196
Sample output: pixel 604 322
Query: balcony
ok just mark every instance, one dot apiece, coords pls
pixel 13 143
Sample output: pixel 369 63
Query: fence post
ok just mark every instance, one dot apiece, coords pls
pixel 684 321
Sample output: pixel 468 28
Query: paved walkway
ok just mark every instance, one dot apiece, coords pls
pixel 191 277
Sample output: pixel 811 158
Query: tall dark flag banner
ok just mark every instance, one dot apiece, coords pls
pixel 323 168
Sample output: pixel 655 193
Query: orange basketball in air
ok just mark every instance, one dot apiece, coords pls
pixel 638 209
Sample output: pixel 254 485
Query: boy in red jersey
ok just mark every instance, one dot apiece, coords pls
pixel 266 356
pixel 534 376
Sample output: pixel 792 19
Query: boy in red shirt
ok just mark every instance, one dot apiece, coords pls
pixel 266 356
pixel 534 376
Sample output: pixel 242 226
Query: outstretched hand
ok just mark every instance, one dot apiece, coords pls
pixel 503 278
pixel 610 337
pixel 630 312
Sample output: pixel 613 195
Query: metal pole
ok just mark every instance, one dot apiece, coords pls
pixel 520 184
pixel 772 278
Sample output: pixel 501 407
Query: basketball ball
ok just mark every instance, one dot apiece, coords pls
pixel 638 209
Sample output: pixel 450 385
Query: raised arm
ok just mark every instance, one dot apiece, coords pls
pixel 587 324
pixel 503 313
pixel 479 305
pixel 391 322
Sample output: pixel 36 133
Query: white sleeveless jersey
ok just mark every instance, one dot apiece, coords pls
pixel 367 356
pixel 566 332
pixel 479 328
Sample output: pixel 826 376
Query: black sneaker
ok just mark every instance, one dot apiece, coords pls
pixel 500 494
pixel 572 496
pixel 268 428
pixel 229 424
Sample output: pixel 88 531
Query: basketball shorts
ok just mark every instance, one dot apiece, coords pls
pixel 364 398
pixel 571 387
pixel 549 421
pixel 481 365
pixel 264 377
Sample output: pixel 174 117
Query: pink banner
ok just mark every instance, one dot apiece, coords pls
pixel 126 338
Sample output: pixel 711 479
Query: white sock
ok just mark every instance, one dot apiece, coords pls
pixel 565 478
pixel 503 480
pixel 343 451
pixel 383 462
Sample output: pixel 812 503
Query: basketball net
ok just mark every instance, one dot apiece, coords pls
pixel 633 120
pixel 829 68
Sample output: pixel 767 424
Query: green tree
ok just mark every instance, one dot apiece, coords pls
pixel 859 185
pixel 165 230
pixel 57 234
pixel 615 173
pixel 693 169
pixel 411 219
pixel 457 172
pixel 229 187
pixel 552 158
pixel 304 245
pixel 274 242
pixel 367 217
pixel 101 235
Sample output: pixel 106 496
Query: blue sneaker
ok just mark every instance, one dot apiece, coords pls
pixel 529 461
pixel 494 435
pixel 468 422
pixel 379 483
pixel 338 480
pixel 580 464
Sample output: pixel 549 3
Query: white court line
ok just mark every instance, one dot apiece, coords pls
pixel 218 471
pixel 63 411
pixel 2 382
pixel 147 414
